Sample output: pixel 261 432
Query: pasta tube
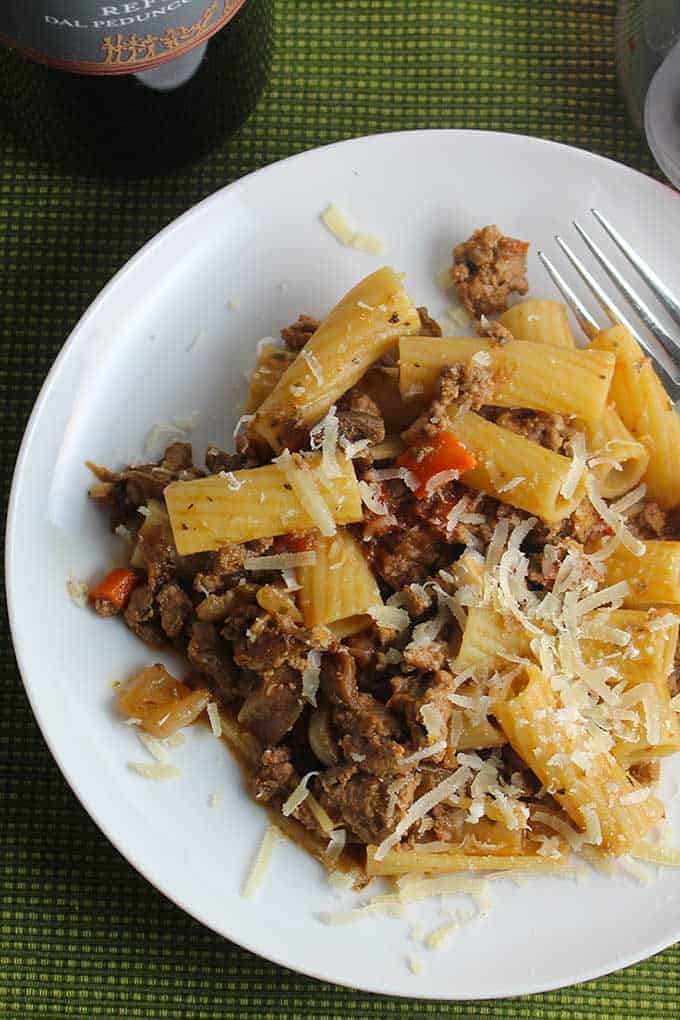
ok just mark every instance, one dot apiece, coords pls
pixel 339 584
pixel 557 380
pixel 592 787
pixel 488 640
pixel 616 459
pixel 649 654
pixel 381 384
pixel 473 734
pixel 256 503
pixel 365 324
pixel 655 730
pixel 653 578
pixel 541 322
pixel 515 470
pixel 410 860
pixel 272 362
pixel 647 411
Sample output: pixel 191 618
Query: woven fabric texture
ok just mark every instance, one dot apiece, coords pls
pixel 81 934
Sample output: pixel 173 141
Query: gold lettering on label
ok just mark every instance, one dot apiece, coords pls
pixel 136 49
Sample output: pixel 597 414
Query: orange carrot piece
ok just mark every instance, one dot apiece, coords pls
pixel 116 587
pixel 442 453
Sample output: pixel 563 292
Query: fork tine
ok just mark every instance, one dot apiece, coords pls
pixel 656 285
pixel 613 313
pixel 581 313
pixel 650 320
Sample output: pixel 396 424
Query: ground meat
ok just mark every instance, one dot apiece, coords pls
pixel 646 772
pixel 648 520
pixel 416 600
pixel 141 616
pixel 426 658
pixel 175 609
pixel 495 330
pixel 338 678
pixel 298 333
pixel 217 460
pixel 275 778
pixel 274 705
pixel 267 644
pixel 487 269
pixel 460 387
pixel 549 430
pixel 359 418
pixel 408 555
pixel 124 491
pixel 428 325
pixel 221 568
pixel 411 694
pixel 210 655
pixel 178 458
pixel 371 734
pixel 367 806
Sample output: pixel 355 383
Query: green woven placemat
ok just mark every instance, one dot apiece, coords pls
pixel 82 935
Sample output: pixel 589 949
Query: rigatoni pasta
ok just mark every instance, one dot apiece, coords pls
pixel 542 322
pixel 241 506
pixel 590 785
pixel 364 325
pixel 339 584
pixel 516 470
pixel 647 411
pixel 559 380
pixel 652 578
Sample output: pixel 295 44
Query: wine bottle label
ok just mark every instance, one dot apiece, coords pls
pixel 123 37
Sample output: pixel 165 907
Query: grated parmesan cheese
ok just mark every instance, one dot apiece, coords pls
pixel 576 468
pixel 77 591
pixel 415 964
pixel 423 806
pixel 303 484
pixel 281 561
pixel 243 421
pixel 336 844
pixel 314 364
pixel 290 578
pixel 434 722
pixel 635 796
pixel 158 771
pixel 325 435
pixel 481 358
pixel 593 830
pixel 425 752
pixel 298 796
pixel 262 861
pixel 232 481
pixel 214 718
pixel 337 223
pixel 512 484
pixel 311 676
pixel 156 748
pixel 613 519
pixel 371 497
pixel 441 478
pixel 390 617
pixel 351 450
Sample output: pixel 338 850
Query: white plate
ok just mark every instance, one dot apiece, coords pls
pixel 161 341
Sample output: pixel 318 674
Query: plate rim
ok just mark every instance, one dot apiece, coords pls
pixel 530 987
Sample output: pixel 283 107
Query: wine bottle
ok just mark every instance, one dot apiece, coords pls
pixel 131 87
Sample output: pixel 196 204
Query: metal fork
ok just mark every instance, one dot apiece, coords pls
pixel 662 347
